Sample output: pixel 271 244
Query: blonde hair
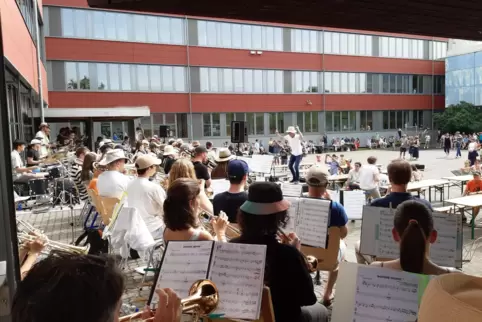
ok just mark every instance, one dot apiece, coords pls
pixel 182 168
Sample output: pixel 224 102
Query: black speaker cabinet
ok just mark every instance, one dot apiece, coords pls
pixel 164 131
pixel 239 132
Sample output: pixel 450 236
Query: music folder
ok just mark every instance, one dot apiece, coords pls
pixel 237 270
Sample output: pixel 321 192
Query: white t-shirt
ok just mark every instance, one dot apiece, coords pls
pixel 112 184
pixel 295 144
pixel 368 172
pixel 472 146
pixel 45 142
pixel 16 163
pixel 148 198
pixel 427 137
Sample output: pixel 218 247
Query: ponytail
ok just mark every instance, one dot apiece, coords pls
pixel 413 246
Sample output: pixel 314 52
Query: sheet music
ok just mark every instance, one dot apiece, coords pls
pixel 334 195
pixel 291 190
pixel 292 213
pixel 312 223
pixel 238 272
pixel 353 202
pixel 219 186
pixel 184 263
pixel 443 251
pixel 386 295
pixel 261 163
pixel 386 246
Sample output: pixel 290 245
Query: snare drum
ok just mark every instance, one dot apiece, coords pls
pixel 38 187
pixel 55 171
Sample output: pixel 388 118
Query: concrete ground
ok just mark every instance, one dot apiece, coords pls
pixel 56 224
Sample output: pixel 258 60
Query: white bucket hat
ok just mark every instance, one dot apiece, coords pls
pixel 112 156
pixel 224 155
pixel 291 129
pixel 452 298
pixel 169 150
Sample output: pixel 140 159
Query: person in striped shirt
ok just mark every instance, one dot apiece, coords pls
pixel 76 170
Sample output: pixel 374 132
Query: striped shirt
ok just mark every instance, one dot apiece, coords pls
pixel 75 172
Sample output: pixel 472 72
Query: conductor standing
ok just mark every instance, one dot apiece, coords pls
pixel 294 138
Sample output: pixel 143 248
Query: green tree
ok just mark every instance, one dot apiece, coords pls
pixel 463 117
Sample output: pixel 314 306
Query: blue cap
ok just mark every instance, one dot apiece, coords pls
pixel 237 169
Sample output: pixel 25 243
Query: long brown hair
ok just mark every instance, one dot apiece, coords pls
pixel 88 166
pixel 178 212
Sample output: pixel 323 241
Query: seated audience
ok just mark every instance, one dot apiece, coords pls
pixel 353 181
pixel 286 272
pixel 416 174
pixel 181 214
pixel 472 187
pixel 221 169
pixel 317 181
pixel 230 201
pixel 112 182
pixel 332 163
pixel 60 288
pixel 146 196
pixel 184 168
pixel 414 231
pixel 369 178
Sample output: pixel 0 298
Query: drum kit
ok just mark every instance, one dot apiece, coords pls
pixel 51 186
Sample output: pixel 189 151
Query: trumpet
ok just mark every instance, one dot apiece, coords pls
pixel 205 218
pixel 203 299
pixel 311 261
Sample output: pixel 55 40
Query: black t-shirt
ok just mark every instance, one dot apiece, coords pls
pixel 168 164
pixel 229 203
pixel 201 171
pixel 287 277
pixel 31 153
pixel 447 142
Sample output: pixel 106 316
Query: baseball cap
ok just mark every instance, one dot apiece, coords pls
pixel 146 161
pixel 317 176
pixel 200 149
pixel 237 169
pixel 35 141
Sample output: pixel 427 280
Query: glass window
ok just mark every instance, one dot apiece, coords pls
pixel 297 82
pixel 259 123
pixel 213 79
pixel 226 35
pixel 216 121
pixel 80 23
pixel 336 43
pixel 125 71
pixel 386 122
pixel 229 119
pixel 155 78
pixel 84 77
pixel 142 78
pixel 328 82
pixel 140 28
pixel 272 123
pixel 250 120
pixel 329 121
pixel 386 83
pixel 344 121
pixel 351 44
pixel 238 80
pixel 305 41
pixel 391 47
pixel 179 79
pixel 258 81
pixel 152 30
pixel 71 76
pixel 392 120
pixel 279 81
pixel 352 82
pixel 343 44
pixel 337 121
pixel 327 42
pixel 167 76
pixel 236 36
pixel 165 34
pixel 399 83
pixel 399 48
pixel 278 38
pixel 110 26
pixel 228 80
pixel 256 30
pixel 114 79
pixel 270 81
pixel 248 80
pixel 102 77
pixel 369 45
pixel 296 40
pixel 362 81
pixel 362 49
pixel 414 48
pixel 366 120
pixel 384 47
pixel 344 82
pixel 336 83
pixel 121 25
pixel 177 31
pixel 207 124
pixel 98 24
pixel 204 79
pixel 313 41
pixel 370 83
pixel 306 82
pixel 67 17
pixel 392 83
pixel 406 48
pixel 246 36
pixel 314 82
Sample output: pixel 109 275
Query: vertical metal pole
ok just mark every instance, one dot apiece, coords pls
pixel 39 61
pixel 8 235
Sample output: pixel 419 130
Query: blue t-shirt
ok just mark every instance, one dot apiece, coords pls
pixel 338 217
pixel 333 167
pixel 396 198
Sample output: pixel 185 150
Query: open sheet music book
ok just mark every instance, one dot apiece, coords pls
pixel 291 190
pixel 353 202
pixel 371 294
pixel 236 269
pixel 309 219
pixel 377 240
pixel 261 163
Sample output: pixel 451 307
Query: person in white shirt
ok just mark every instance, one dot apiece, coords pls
pixel 43 136
pixel 21 174
pixel 294 139
pixel 427 141
pixel 369 178
pixel 113 183
pixel 353 181
pixel 146 196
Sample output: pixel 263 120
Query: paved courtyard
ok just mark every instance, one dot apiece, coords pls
pixel 56 224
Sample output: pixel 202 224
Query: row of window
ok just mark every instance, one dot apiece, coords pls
pixel 27 11
pixel 227 80
pixel 105 25
pixel 466 61
pixel 124 77
pixel 311 122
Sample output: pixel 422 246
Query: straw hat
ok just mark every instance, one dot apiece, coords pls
pixel 224 155
pixel 291 129
pixel 112 156
pixel 452 298
pixel 169 150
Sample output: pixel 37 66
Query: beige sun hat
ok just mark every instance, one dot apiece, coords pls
pixel 112 156
pixel 169 150
pixel 224 155
pixel 452 298
pixel 291 129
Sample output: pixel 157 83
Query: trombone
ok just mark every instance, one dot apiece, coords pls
pixel 311 261
pixel 205 219
pixel 203 299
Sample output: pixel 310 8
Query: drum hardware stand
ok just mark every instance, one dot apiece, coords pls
pixel 62 198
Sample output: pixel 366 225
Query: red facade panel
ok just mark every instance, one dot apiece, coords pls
pixel 382 102
pixel 158 102
pixel 221 57
pixel 114 51
pixel 383 65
